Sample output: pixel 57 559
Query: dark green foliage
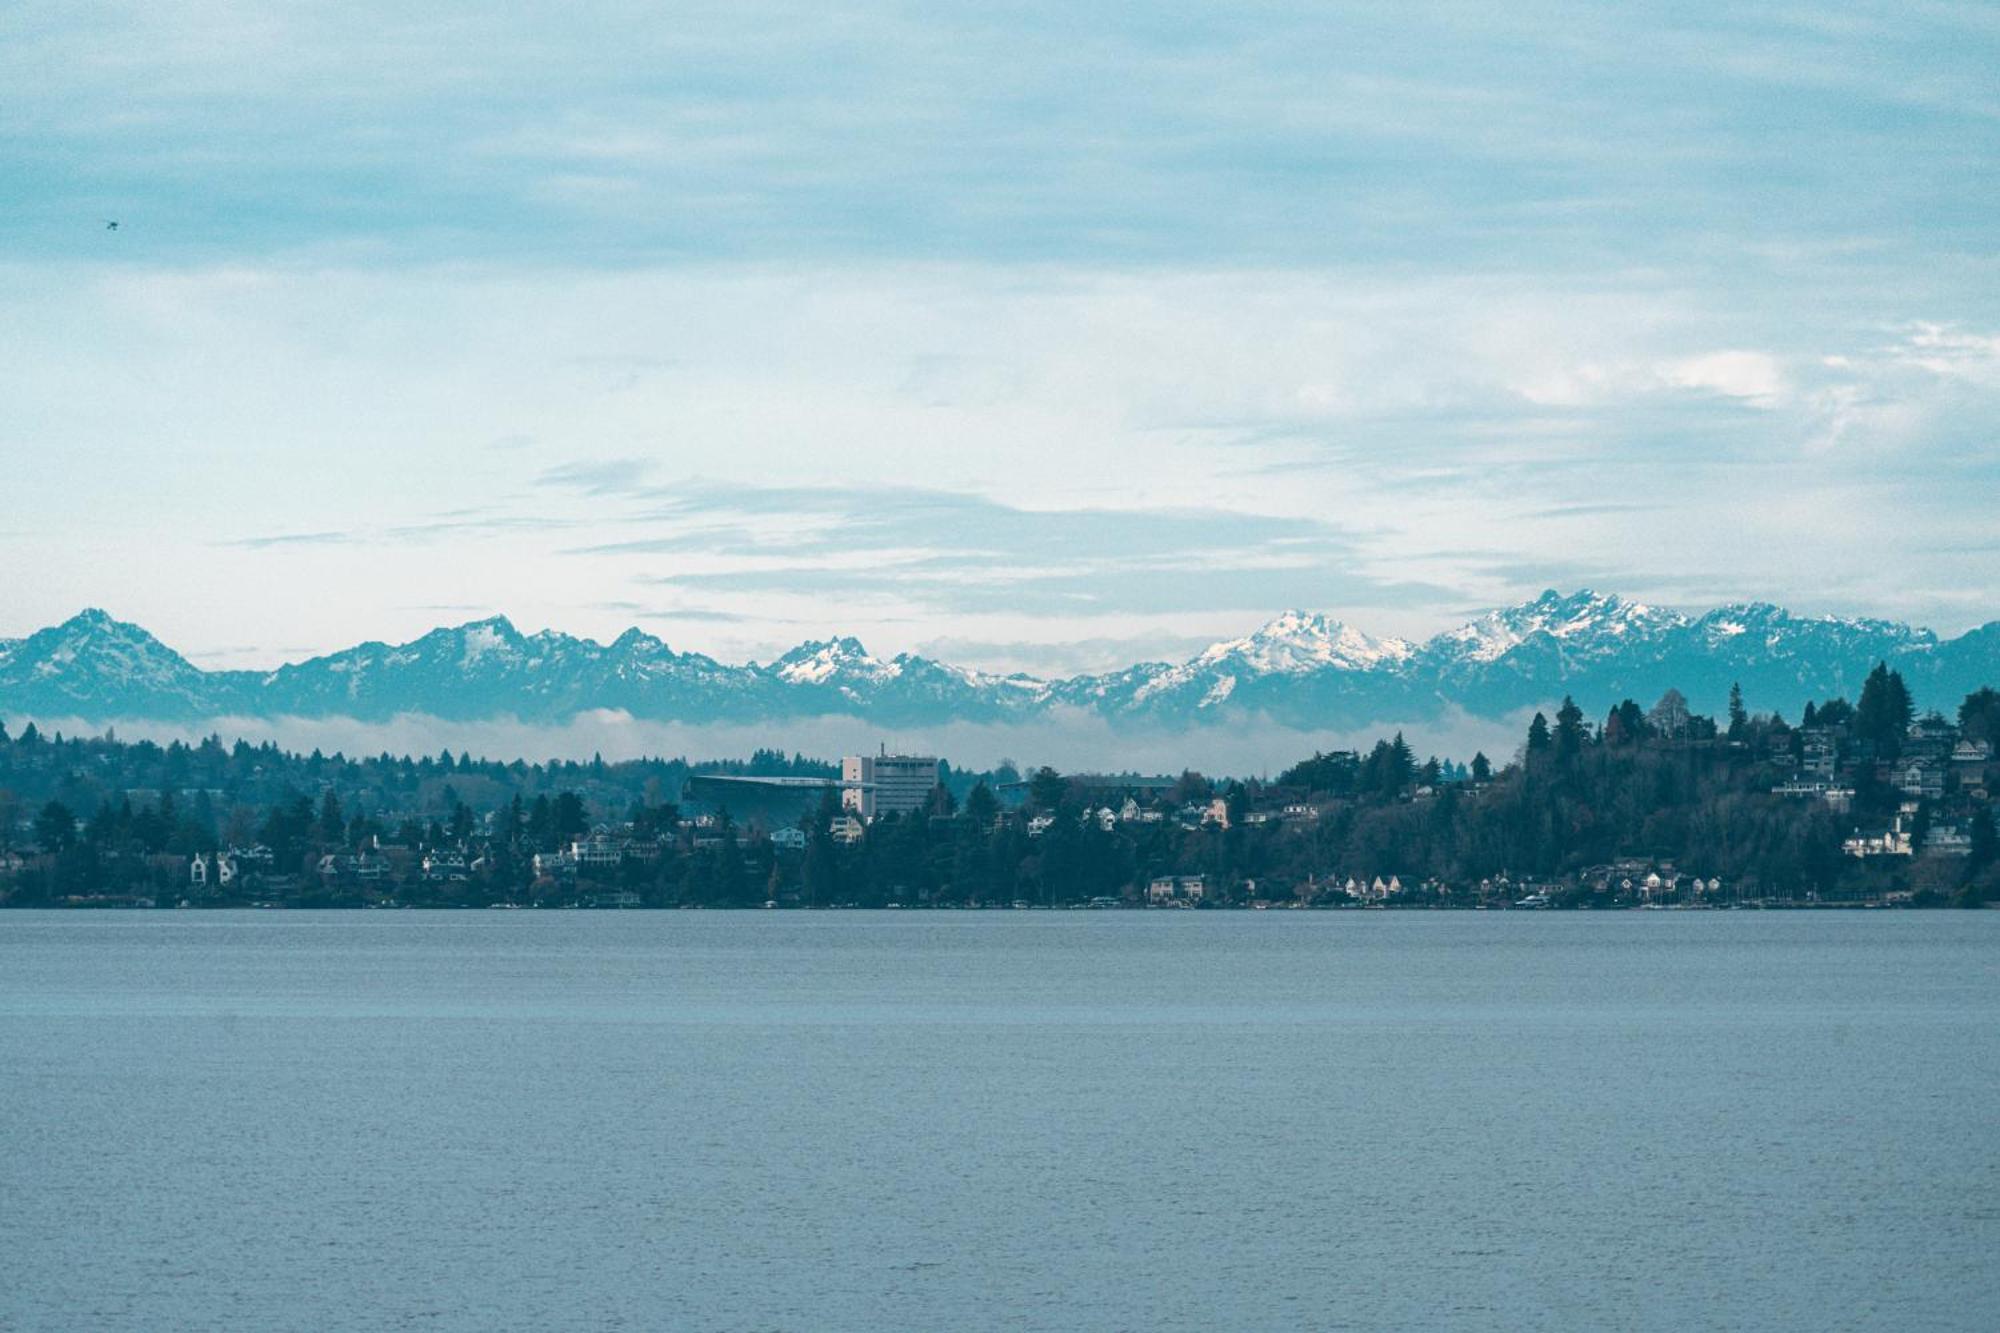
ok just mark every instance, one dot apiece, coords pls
pixel 1046 789
pixel 1885 711
pixel 1979 716
pixel 55 827
pixel 1985 843
pixel 980 807
pixel 1652 787
pixel 569 819
pixel 1626 725
pixel 1337 773
pixel 1569 728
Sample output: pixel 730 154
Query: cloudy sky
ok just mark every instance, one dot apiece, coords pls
pixel 1031 335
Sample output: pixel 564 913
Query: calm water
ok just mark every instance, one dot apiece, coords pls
pixel 1001 1120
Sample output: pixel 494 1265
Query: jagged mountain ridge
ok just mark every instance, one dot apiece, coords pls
pixel 1300 669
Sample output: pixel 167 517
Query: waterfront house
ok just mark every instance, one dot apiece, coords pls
pixel 1947 840
pixel 1170 890
pixel 599 851
pixel 1892 841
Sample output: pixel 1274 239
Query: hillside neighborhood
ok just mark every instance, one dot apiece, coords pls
pixel 1863 803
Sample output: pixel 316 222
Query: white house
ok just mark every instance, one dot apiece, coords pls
pixel 598 851
pixel 1176 889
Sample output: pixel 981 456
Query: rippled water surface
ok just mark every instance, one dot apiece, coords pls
pixel 999 1120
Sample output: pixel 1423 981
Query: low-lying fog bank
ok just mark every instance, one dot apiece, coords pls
pixel 1072 742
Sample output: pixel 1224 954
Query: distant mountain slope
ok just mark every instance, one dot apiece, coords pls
pixel 1300 669
pixel 93 666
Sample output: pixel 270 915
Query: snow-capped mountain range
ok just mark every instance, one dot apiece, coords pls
pixel 1300 669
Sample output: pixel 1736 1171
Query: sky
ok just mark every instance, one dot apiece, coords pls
pixel 1031 336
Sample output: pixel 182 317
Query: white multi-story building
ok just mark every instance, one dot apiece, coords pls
pixel 599 850
pixel 872 785
pixel 1176 889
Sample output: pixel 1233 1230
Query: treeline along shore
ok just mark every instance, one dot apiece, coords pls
pixel 1864 803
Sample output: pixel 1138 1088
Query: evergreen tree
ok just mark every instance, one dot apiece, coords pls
pixel 1626 725
pixel 732 883
pixel 1985 841
pixel 1979 716
pixel 1482 768
pixel 1739 717
pixel 202 822
pixel 821 873
pixel 1886 709
pixel 1403 761
pixel 980 807
pixel 55 826
pixel 507 825
pixel 331 829
pixel 570 819
pixel 1538 735
pixel 1569 729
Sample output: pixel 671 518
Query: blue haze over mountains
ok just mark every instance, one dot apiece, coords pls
pixel 1300 670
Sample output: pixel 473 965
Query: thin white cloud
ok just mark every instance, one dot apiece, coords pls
pixel 982 449
pixel 1754 377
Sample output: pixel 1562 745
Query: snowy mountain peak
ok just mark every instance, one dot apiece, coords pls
pixel 494 637
pixel 636 641
pixel 1299 668
pixel 1743 618
pixel 828 661
pixel 1302 641
pixel 1583 611
pixel 1296 646
pixel 92 626
pixel 1584 620
pixel 92 654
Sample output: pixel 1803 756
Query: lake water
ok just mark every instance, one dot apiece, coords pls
pixel 999 1120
